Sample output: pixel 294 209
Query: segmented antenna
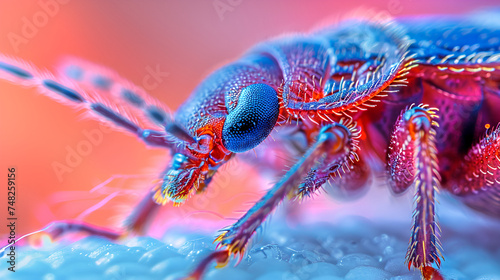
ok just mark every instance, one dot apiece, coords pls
pixel 105 95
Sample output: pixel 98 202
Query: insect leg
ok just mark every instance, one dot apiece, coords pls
pixel 142 214
pixel 412 159
pixel 352 182
pixel 477 180
pixel 136 223
pixel 60 228
pixel 349 175
pixel 333 146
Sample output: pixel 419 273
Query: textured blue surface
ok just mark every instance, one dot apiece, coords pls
pixel 353 248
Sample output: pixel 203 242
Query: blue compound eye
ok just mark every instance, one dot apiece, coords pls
pixel 252 120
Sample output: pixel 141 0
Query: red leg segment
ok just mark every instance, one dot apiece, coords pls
pixel 412 159
pixel 477 180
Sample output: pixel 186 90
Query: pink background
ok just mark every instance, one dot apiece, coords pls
pixel 187 39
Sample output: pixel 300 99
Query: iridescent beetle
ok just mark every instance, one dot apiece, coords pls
pixel 356 80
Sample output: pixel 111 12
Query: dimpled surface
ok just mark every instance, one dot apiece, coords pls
pixel 349 248
pixel 253 118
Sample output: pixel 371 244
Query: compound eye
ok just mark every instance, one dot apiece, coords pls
pixel 252 120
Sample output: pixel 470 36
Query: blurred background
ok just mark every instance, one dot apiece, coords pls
pixel 187 40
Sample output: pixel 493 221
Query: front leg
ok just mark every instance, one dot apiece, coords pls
pixel 136 223
pixel 335 145
pixel 412 159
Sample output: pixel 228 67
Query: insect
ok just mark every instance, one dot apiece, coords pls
pixel 416 96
